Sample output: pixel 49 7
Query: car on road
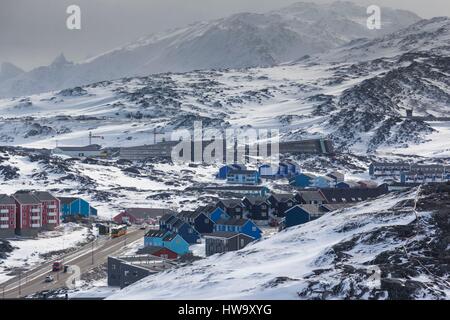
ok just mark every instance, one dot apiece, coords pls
pixel 48 279
pixel 57 266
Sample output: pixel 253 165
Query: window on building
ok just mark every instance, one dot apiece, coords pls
pixel 253 228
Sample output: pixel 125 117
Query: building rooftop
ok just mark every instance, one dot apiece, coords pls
pixel 224 235
pixel 155 233
pixel 67 200
pixel 44 196
pixel 243 172
pixel 167 217
pixel 311 195
pixel 282 197
pixel 231 203
pixel 5 199
pixel 171 236
pixel 312 209
pixel 233 222
pixel 255 200
pixel 352 195
pixel 148 212
pixel 92 147
pixel 26 198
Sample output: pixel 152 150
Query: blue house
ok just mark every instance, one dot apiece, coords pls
pixel 244 226
pixel 154 238
pixel 302 180
pixel 199 219
pixel 268 170
pixel 186 231
pixel 292 168
pixel 301 214
pixel 218 214
pixel 283 169
pixel 223 171
pixel 166 220
pixel 176 243
pixel 248 177
pixel 75 207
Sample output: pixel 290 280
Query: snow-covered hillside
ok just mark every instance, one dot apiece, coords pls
pixel 359 103
pixel 333 257
pixel 241 40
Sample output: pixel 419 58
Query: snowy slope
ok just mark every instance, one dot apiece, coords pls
pixel 241 40
pixel 332 257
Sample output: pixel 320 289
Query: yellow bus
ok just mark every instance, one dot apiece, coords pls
pixel 118 231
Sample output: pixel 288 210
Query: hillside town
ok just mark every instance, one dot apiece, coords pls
pixel 246 210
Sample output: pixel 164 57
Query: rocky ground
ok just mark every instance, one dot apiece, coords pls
pixel 417 268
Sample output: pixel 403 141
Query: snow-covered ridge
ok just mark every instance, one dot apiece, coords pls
pixel 241 40
pixel 361 104
pixel 332 257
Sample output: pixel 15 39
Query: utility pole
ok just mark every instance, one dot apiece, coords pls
pixel 92 136
pixel 92 251
pixel 20 284
pixel 3 292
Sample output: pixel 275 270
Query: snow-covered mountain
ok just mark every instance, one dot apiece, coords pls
pixel 359 103
pixel 379 249
pixel 241 40
pixel 9 71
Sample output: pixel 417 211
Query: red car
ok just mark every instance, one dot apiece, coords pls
pixel 57 266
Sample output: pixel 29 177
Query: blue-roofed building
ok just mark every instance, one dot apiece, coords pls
pixel 223 171
pixel 302 180
pixel 244 226
pixel 283 169
pixel 71 206
pixel 185 230
pixel 199 219
pixel 268 170
pixel 301 214
pixel 217 214
pixel 324 182
pixel 246 177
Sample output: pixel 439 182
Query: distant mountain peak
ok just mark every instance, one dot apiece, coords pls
pixel 9 70
pixel 242 40
pixel 60 60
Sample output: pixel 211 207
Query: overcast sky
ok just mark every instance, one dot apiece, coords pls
pixel 33 32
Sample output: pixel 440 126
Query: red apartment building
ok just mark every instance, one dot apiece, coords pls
pixel 50 209
pixel 28 214
pixel 7 216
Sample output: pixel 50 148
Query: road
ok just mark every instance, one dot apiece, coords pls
pixel 86 258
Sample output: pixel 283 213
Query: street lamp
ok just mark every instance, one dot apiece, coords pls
pixel 20 284
pixel 92 252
